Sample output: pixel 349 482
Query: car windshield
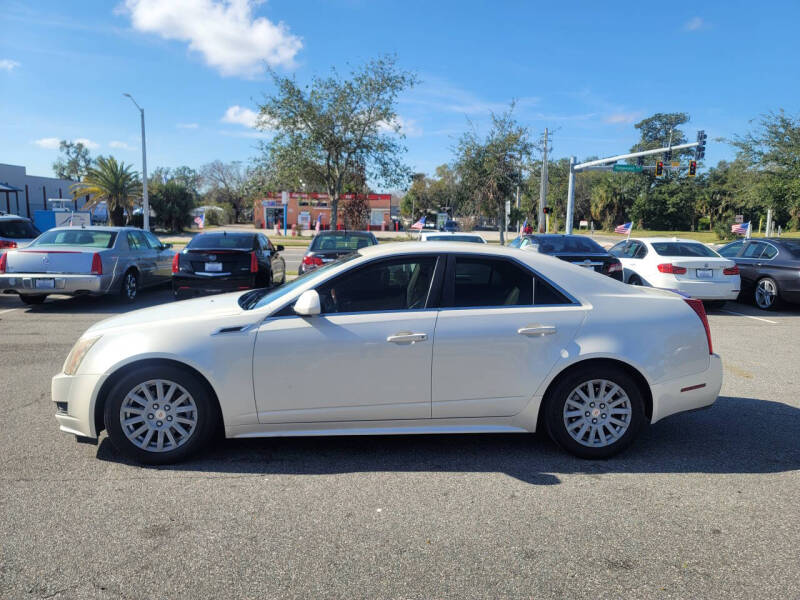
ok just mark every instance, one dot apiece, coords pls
pixel 262 297
pixel 567 243
pixel 686 249
pixel 454 238
pixel 18 229
pixel 793 247
pixel 220 241
pixel 341 242
pixel 77 237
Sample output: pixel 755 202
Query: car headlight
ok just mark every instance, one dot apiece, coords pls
pixel 78 353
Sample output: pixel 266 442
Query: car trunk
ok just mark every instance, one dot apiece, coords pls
pixel 62 259
pixel 217 262
pixel 597 262
pixel 699 269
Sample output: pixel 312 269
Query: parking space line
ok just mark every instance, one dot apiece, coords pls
pixel 738 314
pixel 2 312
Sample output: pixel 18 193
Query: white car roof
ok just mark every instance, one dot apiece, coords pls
pixel 651 240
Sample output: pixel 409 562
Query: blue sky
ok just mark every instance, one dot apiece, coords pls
pixel 586 70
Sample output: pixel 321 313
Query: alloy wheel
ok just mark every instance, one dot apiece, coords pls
pixel 129 286
pixel 158 415
pixel 766 293
pixel 597 413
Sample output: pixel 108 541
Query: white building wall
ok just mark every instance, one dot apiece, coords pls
pixel 40 189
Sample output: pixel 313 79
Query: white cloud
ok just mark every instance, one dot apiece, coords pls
pixel 622 117
pixel 87 143
pixel 694 24
pixel 120 145
pixel 187 126
pixel 240 116
pixel 49 143
pixel 225 32
pixel 407 126
pixel 6 64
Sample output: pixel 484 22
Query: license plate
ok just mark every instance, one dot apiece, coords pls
pixel 45 284
pixel 705 273
pixel 214 267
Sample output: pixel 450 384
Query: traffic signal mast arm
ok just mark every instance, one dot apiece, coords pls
pixel 613 159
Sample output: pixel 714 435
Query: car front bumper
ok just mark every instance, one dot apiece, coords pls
pixel 31 283
pixel 688 393
pixel 74 397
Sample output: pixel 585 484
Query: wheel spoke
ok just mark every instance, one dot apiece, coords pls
pixel 573 413
pixel 160 440
pixel 184 421
pixel 610 410
pixel 132 420
pixel 147 438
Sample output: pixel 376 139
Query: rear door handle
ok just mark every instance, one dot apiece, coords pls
pixel 537 330
pixel 407 337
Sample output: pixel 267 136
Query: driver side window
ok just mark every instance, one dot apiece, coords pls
pixel 385 285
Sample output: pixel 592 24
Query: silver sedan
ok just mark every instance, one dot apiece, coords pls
pixel 86 260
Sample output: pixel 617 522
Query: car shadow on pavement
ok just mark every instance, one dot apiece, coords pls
pixel 736 435
pixel 748 309
pixel 109 304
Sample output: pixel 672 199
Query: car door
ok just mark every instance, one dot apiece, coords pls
pixel 275 259
pixel 749 269
pixel 631 254
pixel 500 331
pixel 366 357
pixel 146 258
pixel 163 257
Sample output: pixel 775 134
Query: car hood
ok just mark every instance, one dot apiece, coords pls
pixel 204 308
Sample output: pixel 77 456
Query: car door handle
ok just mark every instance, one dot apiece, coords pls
pixel 537 330
pixel 407 337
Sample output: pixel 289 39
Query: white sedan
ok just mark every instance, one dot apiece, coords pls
pixel 404 338
pixel 451 236
pixel 675 264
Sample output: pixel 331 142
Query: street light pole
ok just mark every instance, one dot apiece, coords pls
pixel 145 200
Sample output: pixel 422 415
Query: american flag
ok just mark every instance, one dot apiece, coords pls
pixel 524 225
pixel 419 224
pixel 624 228
pixel 740 228
pixel 200 220
pixel 319 223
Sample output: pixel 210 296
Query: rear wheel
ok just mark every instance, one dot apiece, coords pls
pixel 765 294
pixel 635 280
pixel 595 412
pixel 130 286
pixel 32 299
pixel 159 415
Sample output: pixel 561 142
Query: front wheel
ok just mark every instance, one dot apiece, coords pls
pixel 159 415
pixel 765 293
pixel 32 299
pixel 130 286
pixel 595 412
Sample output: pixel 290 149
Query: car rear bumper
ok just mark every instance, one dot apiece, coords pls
pixel 74 397
pixel 31 283
pixel 188 284
pixel 688 393
pixel 702 290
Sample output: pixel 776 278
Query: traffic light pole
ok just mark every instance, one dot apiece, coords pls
pixel 574 168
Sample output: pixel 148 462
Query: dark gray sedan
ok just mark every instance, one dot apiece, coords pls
pixel 86 260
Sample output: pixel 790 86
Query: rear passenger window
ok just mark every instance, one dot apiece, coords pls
pixel 496 282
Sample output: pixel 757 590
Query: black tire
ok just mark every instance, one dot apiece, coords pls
pixel 129 287
pixel 32 299
pixel 206 415
pixel 635 280
pixel 766 294
pixel 555 417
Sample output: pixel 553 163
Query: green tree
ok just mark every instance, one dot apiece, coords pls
pixel 115 183
pixel 335 127
pixel 74 161
pixel 226 183
pixel 172 202
pixel 489 168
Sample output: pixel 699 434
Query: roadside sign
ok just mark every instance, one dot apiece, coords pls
pixel 284 198
pixel 675 164
pixel 627 168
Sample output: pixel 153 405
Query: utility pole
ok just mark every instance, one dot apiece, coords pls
pixel 145 200
pixel 543 186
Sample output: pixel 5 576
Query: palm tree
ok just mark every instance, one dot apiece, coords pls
pixel 113 182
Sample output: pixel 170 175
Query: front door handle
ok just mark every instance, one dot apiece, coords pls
pixel 537 330
pixel 407 337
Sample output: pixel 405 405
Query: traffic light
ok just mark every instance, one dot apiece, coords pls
pixel 700 149
pixel 659 169
pixel 547 210
pixel 693 168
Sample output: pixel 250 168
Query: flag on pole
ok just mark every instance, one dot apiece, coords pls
pixel 740 228
pixel 200 220
pixel 524 225
pixel 624 228
pixel 419 224
pixel 319 223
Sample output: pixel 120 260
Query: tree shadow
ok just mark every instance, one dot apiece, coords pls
pixel 736 435
pixel 110 304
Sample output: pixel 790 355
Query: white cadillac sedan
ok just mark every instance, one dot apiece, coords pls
pixel 687 266
pixel 417 337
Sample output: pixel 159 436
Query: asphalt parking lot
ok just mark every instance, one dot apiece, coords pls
pixel 703 505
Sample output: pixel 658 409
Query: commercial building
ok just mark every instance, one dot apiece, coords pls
pixel 303 209
pixel 22 194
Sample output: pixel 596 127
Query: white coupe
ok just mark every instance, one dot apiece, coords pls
pixel 430 337
pixel 675 264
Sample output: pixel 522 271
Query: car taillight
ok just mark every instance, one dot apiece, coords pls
pixel 3 260
pixel 697 306
pixel 97 264
pixel 176 263
pixel 734 270
pixel 614 267
pixel 671 269
pixel 253 263
pixel 7 244
pixel 313 261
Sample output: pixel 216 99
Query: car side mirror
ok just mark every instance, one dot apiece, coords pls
pixel 307 304
pixel 279 247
